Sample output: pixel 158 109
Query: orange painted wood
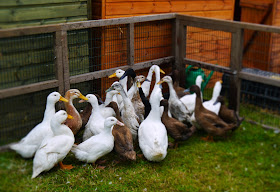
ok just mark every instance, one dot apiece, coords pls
pixel 131 8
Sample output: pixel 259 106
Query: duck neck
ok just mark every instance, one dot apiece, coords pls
pixel 108 99
pixel 216 92
pixel 165 112
pixel 124 97
pixel 95 110
pixel 198 103
pixel 155 111
pixel 172 91
pixel 123 82
pixel 49 111
pixel 132 90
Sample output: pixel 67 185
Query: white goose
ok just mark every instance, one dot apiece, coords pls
pixel 210 104
pixel 31 142
pixel 128 114
pixel 54 149
pixel 96 120
pixel 98 145
pixel 152 133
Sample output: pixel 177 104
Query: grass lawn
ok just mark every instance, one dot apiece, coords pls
pixel 246 161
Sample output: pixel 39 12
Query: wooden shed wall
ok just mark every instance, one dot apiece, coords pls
pixel 15 13
pixel 221 9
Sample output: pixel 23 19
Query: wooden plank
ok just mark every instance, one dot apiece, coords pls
pixel 117 21
pixel 131 8
pixel 44 12
pixel 107 72
pixel 9 3
pixel 209 66
pixel 260 79
pixel 229 24
pixel 4 93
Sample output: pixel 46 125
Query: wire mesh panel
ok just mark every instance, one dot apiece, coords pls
pixel 26 59
pixel 19 114
pixel 152 40
pixel 208 45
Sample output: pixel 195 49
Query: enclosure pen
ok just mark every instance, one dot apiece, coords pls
pixel 37 60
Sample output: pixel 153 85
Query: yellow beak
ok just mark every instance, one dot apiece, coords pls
pixel 138 84
pixel 63 99
pixel 160 82
pixel 221 81
pixel 162 71
pixel 113 75
pixel 83 97
pixel 70 116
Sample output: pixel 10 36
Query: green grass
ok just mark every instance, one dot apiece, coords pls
pixel 246 161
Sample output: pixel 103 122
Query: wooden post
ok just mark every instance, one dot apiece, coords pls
pixel 59 61
pixel 179 49
pixel 66 73
pixel 236 66
pixel 130 49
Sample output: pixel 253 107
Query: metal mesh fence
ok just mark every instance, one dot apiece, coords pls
pixel 26 59
pixel 208 46
pixel 152 40
pixel 19 114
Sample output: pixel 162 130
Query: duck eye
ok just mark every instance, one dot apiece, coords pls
pixel 55 95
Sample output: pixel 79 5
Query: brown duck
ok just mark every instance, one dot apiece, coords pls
pixel 123 143
pixel 179 90
pixel 208 120
pixel 228 115
pixel 175 128
pixel 74 124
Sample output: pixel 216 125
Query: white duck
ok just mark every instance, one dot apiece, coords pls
pixel 210 104
pixel 54 149
pixel 96 120
pixel 98 145
pixel 105 111
pixel 176 106
pixel 31 142
pixel 118 98
pixel 147 83
pixel 152 134
pixel 128 114
pixel 189 100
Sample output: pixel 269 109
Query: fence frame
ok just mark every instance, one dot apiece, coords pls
pixel 178 58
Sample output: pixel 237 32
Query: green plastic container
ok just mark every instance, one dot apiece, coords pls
pixel 191 74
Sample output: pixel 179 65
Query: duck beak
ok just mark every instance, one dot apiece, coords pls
pixel 120 123
pixel 70 116
pixel 147 80
pixel 138 84
pixel 108 90
pixel 221 81
pixel 161 71
pixel 216 102
pixel 113 75
pixel 63 99
pixel 83 97
pixel 160 82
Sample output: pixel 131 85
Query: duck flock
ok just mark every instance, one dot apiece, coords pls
pixel 128 118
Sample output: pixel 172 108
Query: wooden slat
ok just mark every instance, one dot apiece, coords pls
pixel 8 3
pixel 131 8
pixel 66 73
pixel 4 93
pixel 209 66
pixel 259 79
pixel 107 72
pixel 44 12
pixel 229 24
pixel 59 61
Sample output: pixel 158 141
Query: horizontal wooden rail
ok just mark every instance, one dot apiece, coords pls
pixel 209 66
pixel 211 23
pixel 259 79
pixel 10 92
pixel 107 72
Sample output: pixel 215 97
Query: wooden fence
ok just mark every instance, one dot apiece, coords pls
pixel 177 59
